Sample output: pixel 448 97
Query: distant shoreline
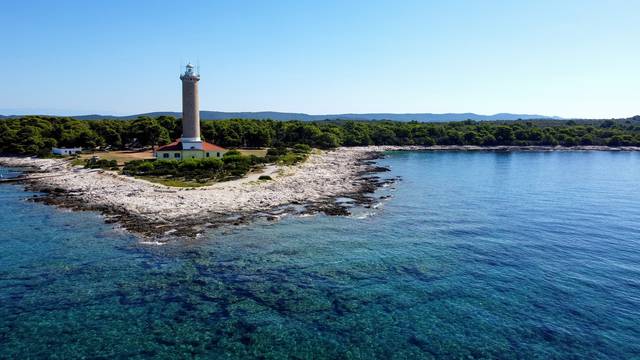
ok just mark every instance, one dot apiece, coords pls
pixel 502 148
pixel 290 116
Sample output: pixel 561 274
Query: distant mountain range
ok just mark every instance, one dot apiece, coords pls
pixel 421 117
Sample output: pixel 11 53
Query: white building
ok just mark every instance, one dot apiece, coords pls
pixel 65 151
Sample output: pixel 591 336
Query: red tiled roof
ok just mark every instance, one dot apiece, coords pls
pixel 177 145
pixel 211 147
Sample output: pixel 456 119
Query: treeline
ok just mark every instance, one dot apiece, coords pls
pixel 37 134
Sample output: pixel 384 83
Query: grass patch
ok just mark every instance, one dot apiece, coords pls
pixel 78 162
pixel 255 152
pixel 288 156
pixel 121 156
pixel 292 158
pixel 94 163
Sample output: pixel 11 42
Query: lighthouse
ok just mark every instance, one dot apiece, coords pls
pixel 190 109
pixel 191 145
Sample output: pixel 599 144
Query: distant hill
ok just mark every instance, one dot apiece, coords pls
pixel 421 117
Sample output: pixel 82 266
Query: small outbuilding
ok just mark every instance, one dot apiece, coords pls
pixel 66 151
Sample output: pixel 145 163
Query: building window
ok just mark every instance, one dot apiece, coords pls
pixel 207 154
pixel 165 155
pixel 176 155
pixel 218 154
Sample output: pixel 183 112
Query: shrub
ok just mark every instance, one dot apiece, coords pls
pixel 255 160
pixel 145 167
pixel 231 153
pixel 189 165
pixel 236 165
pixel 265 177
pixel 301 148
pixel 291 158
pixel 276 151
pixel 284 156
pixel 196 169
pixel 211 164
pixel 101 164
pixel 165 167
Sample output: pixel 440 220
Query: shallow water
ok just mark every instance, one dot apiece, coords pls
pixel 494 255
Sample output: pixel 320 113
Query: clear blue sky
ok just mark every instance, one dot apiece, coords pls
pixel 567 58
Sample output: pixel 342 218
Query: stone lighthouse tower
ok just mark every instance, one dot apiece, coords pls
pixel 190 146
pixel 190 109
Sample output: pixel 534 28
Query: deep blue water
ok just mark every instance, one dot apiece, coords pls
pixel 476 255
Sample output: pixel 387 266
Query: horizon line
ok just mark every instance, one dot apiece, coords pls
pixel 555 117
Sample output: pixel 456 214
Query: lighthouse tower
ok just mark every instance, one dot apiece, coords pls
pixel 190 109
pixel 190 146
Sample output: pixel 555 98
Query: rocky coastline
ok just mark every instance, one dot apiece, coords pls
pixel 159 213
pixel 156 211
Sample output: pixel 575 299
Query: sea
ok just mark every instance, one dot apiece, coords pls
pixel 474 255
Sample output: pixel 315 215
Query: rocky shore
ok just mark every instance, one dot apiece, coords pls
pixel 158 211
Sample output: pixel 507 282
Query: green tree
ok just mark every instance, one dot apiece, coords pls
pixel 326 140
pixel 146 131
pixel 504 135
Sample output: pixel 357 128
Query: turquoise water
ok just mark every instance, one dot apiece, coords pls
pixel 475 255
